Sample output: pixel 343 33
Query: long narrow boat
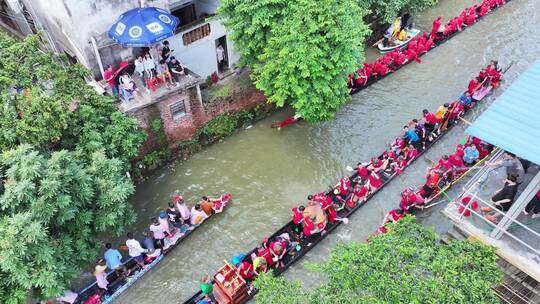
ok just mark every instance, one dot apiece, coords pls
pixel 306 245
pixel 118 285
pixel 439 42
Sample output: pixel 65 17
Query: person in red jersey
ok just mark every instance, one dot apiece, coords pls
pixel 246 270
pixel 377 164
pixel 431 120
pixel 413 55
pixel 409 200
pixel 359 195
pixel 375 181
pixel 365 73
pixel 344 186
pixel 399 165
pixel 363 172
pixel 265 253
pixel 350 81
pixel 432 183
pixel 277 250
pixel 298 218
pixel 393 216
pixel 435 28
pixel 412 153
pixel 474 85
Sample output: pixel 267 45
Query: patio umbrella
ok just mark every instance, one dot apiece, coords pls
pixel 143 26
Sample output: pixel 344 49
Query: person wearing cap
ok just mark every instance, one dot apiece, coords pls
pixel 182 207
pixel 164 222
pixel 135 249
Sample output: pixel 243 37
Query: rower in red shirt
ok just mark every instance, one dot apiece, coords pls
pixel 359 195
pixel 412 55
pixel 377 164
pixel 484 9
pixel 350 81
pixel 445 164
pixel 474 85
pixel 380 69
pixel 362 171
pixel 375 181
pixel 435 28
pixel 410 199
pixel 470 19
pixel 457 163
pixel 246 270
pixel 411 154
pixel 459 22
pixel 432 183
pixel 401 58
pixel 277 250
pixel 344 186
pixel 309 225
pixel 265 253
pixel 298 215
pixel 399 165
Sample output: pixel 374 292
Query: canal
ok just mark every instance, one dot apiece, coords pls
pixel 269 172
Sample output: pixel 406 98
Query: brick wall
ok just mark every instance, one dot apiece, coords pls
pixel 196 115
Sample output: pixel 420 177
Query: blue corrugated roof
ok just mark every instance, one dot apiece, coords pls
pixel 513 121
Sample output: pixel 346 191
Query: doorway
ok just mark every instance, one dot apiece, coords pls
pixel 222 55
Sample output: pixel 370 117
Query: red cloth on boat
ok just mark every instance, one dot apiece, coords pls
pixel 463 204
pixel 298 216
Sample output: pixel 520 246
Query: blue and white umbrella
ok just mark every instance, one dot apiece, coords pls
pixel 143 26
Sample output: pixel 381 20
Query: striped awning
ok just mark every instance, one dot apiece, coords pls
pixel 512 122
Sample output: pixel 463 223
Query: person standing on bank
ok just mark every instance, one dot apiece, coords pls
pixel 220 54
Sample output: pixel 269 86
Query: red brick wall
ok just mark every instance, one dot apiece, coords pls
pixel 196 116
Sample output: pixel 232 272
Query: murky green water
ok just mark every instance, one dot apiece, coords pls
pixel 268 172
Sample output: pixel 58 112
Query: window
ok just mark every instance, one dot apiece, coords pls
pixel 178 110
pixel 185 13
pixel 196 34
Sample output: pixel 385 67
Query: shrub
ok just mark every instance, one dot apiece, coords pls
pixel 221 126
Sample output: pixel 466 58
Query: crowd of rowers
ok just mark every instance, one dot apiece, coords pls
pixel 163 232
pixel 311 220
pixel 419 45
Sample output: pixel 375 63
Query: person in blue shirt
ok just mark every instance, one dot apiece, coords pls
pixel 471 155
pixel 466 99
pixel 113 258
pixel 411 136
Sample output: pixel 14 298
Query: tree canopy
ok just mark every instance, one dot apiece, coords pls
pixel 64 153
pixel 388 10
pixel 406 265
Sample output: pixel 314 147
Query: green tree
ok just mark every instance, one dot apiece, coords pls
pixel 309 55
pixel 388 10
pixel 251 22
pixel 406 265
pixel 64 151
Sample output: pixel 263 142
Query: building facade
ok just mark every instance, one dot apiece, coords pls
pixel 79 29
